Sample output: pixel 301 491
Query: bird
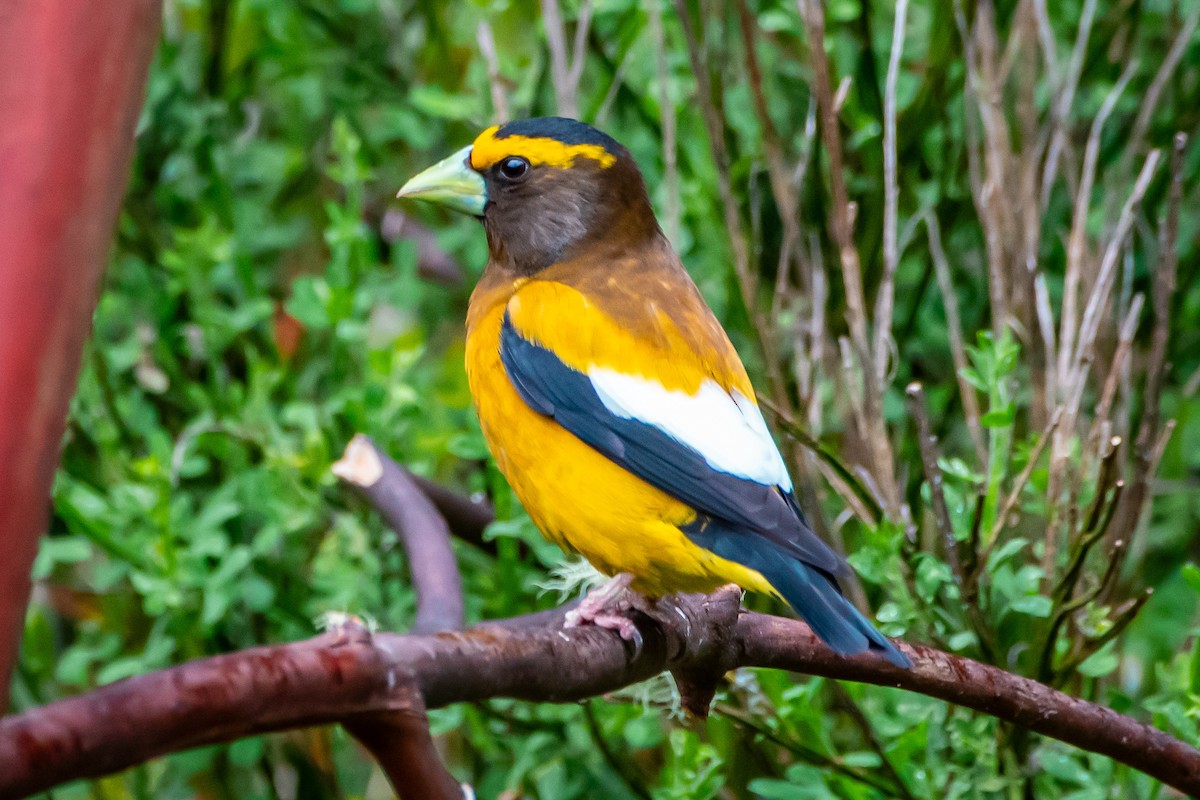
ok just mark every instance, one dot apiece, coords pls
pixel 611 398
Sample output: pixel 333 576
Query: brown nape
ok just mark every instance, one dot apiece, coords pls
pixel 558 214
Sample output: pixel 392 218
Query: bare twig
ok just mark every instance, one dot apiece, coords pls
pixel 1164 288
pixel 1118 367
pixel 746 276
pixel 424 533
pixel 841 229
pixel 933 476
pixel 1014 494
pixel 1165 70
pixel 715 127
pixel 566 65
pixel 954 330
pixel 487 46
pixel 860 497
pixel 1152 434
pixel 1102 288
pixel 1065 99
pixel 885 298
pixel 666 104
pixel 1092 533
pixel 1069 324
pixel 993 200
pixel 1124 615
pixel 870 416
pixel 784 192
pixel 782 189
pixel 967 586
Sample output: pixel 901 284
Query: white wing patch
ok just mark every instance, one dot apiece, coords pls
pixel 726 429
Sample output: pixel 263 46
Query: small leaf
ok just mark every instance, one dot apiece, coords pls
pixel 961 641
pixel 1035 605
pixel 972 377
pixel 1005 552
pixel 1100 664
pixel 999 417
pixel 1191 574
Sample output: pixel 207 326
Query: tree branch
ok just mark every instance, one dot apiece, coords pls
pixel 467 517
pixel 348 672
pixel 426 537
pixel 399 738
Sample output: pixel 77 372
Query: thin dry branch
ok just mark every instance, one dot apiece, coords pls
pixel 954 330
pixel 869 413
pixel 1064 99
pixel 840 226
pixel 349 672
pixel 671 210
pixel 1165 70
pixel 1077 240
pixel 487 47
pixel 1089 327
pixel 885 299
pixel 1152 434
pixel 965 579
pixel 566 62
pixel 713 114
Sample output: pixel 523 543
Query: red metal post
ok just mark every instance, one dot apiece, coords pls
pixel 72 77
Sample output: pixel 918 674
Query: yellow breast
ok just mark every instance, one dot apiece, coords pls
pixel 580 499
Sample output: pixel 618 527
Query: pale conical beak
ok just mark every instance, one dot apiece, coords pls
pixel 452 183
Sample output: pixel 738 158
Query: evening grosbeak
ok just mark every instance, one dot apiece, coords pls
pixel 611 397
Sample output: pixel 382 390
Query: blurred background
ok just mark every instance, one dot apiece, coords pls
pixel 267 298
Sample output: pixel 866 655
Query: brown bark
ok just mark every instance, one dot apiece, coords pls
pixel 71 84
pixel 424 533
pixel 346 673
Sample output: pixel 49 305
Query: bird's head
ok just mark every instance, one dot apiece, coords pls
pixel 546 189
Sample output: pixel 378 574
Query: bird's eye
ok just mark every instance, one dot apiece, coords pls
pixel 514 168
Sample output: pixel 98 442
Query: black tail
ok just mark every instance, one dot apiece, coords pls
pixel 817 598
pixel 812 592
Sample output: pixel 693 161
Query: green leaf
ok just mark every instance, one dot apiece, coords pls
pixel 1191 574
pixel 961 641
pixel 1000 417
pixel 1034 605
pixel 245 752
pixel 55 550
pixel 1100 663
pixel 1006 551
pixel 973 378
pixel 309 302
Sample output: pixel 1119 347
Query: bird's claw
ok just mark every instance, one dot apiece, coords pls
pixel 605 607
pixel 611 621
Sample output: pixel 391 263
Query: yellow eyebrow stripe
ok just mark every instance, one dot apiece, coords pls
pixel 539 151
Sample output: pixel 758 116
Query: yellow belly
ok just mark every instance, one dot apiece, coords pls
pixel 581 500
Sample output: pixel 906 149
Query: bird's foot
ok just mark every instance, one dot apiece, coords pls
pixel 605 607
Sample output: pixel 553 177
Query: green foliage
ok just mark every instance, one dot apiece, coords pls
pixel 257 313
